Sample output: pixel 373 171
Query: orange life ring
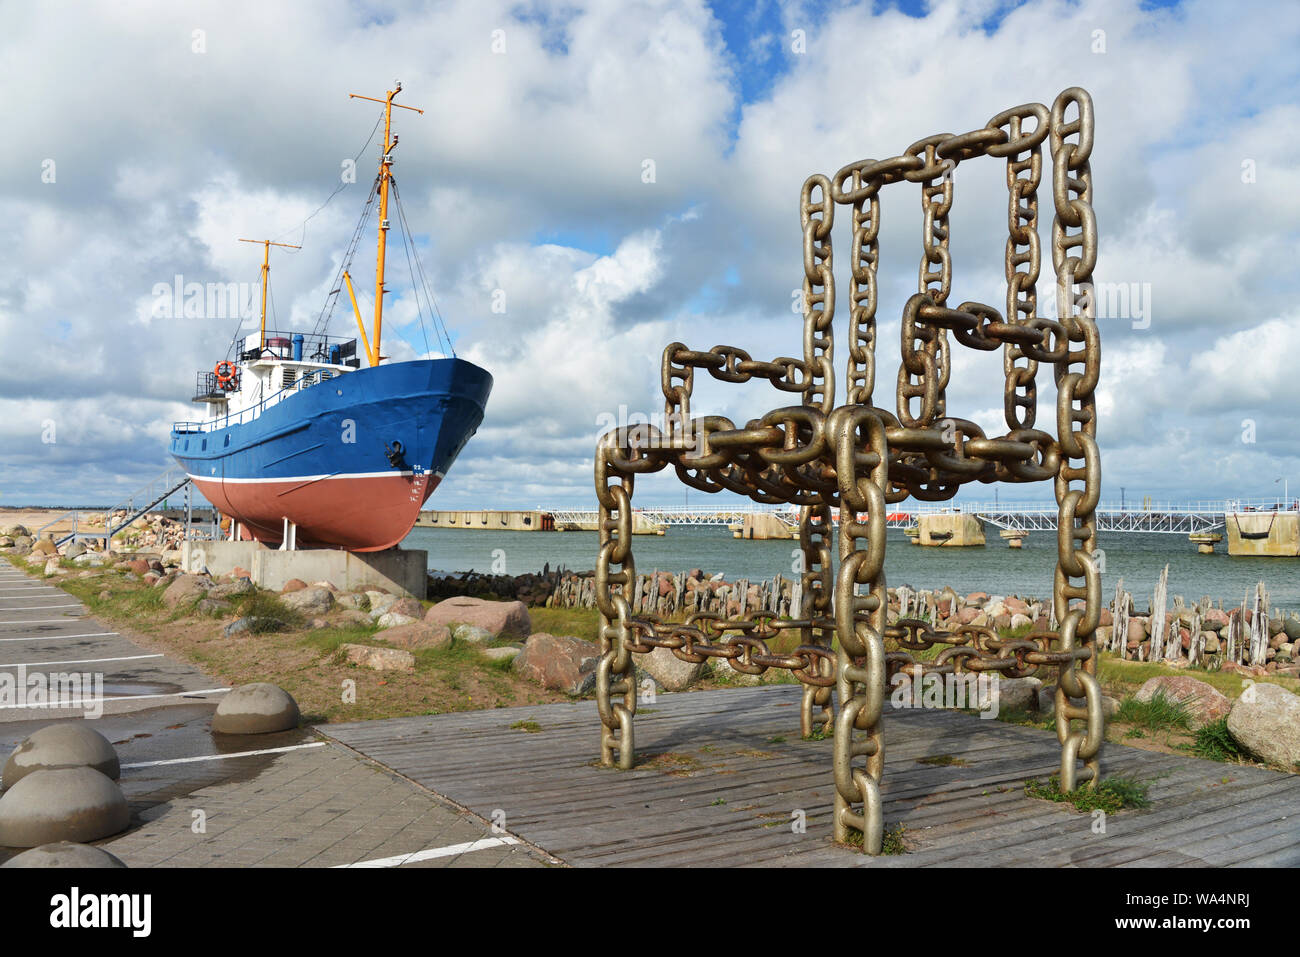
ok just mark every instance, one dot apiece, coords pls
pixel 227 375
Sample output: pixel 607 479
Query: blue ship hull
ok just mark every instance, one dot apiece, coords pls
pixel 323 457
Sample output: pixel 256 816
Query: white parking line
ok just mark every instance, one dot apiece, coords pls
pixel 75 661
pixel 75 604
pixel 91 634
pixel 120 697
pixel 42 621
pixel 450 851
pixel 222 757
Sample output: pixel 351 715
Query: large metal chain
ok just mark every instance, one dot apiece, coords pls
pixel 1074 254
pixel 861 458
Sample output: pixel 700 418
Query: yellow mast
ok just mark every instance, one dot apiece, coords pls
pixel 266 271
pixel 385 175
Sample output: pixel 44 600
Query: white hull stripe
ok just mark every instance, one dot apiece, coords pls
pixel 304 478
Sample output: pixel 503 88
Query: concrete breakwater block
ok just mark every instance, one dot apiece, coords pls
pixel 64 804
pixel 64 854
pixel 258 708
pixel 70 744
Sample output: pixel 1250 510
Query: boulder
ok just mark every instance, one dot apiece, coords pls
pixel 1021 621
pixel 380 602
pixel 504 653
pixel 391 619
pixel 416 634
pixel 67 744
pixel 44 547
pixel 1018 694
pixel 668 670
pixel 293 585
pixel 1203 701
pixel 309 600
pixel 186 588
pixel 379 659
pixel 1265 721
pixel 406 607
pixel 472 634
pixel 241 586
pixel 213 606
pixel 355 601
pixel 497 617
pixel 354 616
pixel 52 566
pixel 74 549
pixel 560 662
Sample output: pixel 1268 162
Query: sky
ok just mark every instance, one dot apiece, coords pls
pixel 142 140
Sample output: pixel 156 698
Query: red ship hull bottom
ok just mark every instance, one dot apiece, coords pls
pixel 357 513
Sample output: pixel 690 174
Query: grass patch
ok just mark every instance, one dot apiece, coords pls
pixel 1214 742
pixel 943 761
pixel 529 725
pixel 270 612
pixel 893 841
pixel 1160 713
pixel 581 623
pixel 1110 795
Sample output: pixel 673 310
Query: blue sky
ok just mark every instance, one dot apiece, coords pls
pixel 524 179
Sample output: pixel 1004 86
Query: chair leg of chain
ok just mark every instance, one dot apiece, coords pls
pixel 614 672
pixel 814 530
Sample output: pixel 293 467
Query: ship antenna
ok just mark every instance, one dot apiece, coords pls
pixel 266 272
pixel 385 179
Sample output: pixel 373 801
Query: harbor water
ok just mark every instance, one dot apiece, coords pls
pixel 1136 557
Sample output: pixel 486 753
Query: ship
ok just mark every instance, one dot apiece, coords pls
pixel 304 446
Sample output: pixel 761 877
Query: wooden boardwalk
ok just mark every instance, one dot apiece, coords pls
pixel 720 773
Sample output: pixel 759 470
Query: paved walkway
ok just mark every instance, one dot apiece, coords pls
pixel 284 800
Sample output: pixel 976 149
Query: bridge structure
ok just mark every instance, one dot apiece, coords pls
pixel 1169 518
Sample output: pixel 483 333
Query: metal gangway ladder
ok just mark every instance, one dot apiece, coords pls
pixel 140 502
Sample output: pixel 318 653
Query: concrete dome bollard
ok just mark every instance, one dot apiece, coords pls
pixel 64 854
pixel 70 744
pixel 258 708
pixel 62 804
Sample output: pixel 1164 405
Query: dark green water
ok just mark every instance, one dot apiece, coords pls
pixel 1137 558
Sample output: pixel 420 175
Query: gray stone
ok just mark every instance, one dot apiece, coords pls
pixel 355 601
pixel 391 619
pixel 668 670
pixel 211 606
pixel 67 744
pixel 258 708
pixel 472 634
pixel 64 854
pixel 310 601
pixel 1018 694
pixel 380 659
pixel 185 588
pixel 1265 720
pixel 241 586
pixel 380 602
pixel 64 804
pixel 504 653
pixel 74 549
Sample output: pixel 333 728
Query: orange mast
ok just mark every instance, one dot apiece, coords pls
pixel 266 272
pixel 385 176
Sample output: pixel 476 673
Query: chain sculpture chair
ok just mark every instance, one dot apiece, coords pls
pixel 859 458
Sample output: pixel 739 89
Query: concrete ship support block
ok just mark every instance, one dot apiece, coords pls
pixel 397 570
pixel 64 854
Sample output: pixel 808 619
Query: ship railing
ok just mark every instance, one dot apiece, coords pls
pixel 252 412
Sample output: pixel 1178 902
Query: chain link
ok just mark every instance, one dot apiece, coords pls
pixel 860 458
